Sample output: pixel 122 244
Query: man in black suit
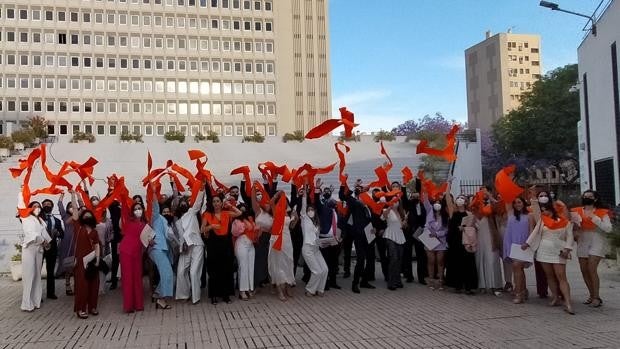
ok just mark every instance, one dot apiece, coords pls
pixel 416 218
pixel 55 231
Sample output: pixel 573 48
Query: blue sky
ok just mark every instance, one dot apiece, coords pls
pixel 396 60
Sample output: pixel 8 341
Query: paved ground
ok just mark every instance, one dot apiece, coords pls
pixel 408 318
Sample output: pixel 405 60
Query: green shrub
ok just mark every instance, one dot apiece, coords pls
pixel 18 256
pixel 6 143
pixel 127 137
pixel 295 136
pixel 255 138
pixel 199 137
pixel 38 124
pixel 213 137
pixel 353 138
pixel 384 136
pixel 25 136
pixel 83 136
pixel 175 136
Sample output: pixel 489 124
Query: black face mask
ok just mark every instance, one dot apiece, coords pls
pixel 169 218
pixel 88 221
pixel 587 201
pixel 327 195
pixel 182 210
pixel 47 209
pixel 357 191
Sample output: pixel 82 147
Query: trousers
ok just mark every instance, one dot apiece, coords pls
pixel 188 273
pixel 315 262
pixel 32 262
pixel 165 287
pixel 245 253
pixel 394 256
pixel 131 282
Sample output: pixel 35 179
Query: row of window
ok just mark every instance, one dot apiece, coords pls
pixel 157 86
pixel 224 4
pixel 145 41
pixel 112 129
pixel 148 108
pixel 157 63
pixel 144 21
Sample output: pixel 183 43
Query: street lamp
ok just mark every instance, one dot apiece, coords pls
pixel 555 7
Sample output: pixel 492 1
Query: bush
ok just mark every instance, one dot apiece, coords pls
pixel 38 124
pixel 175 136
pixel 82 136
pixel 295 136
pixel 127 137
pixel 6 143
pixel 255 138
pixel 199 137
pixel 384 136
pixel 25 136
pixel 18 256
pixel 353 138
pixel 213 137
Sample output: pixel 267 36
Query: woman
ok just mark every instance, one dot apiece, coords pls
pixel 488 261
pixel 130 252
pixel 36 239
pixel 220 255
pixel 244 232
pixel 519 225
pixel 280 262
pixel 394 240
pixel 105 235
pixel 264 222
pixel 67 244
pixel 461 263
pixel 437 225
pixel 86 276
pixel 310 249
pixel 556 239
pixel 161 256
pixel 592 220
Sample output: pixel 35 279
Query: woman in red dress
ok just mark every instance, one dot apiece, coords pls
pixel 130 252
pixel 86 242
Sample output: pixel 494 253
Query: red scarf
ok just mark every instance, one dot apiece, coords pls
pixel 212 219
pixel 554 224
pixel 586 222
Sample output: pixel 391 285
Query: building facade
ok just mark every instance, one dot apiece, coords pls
pixel 599 88
pixel 498 71
pixel 150 66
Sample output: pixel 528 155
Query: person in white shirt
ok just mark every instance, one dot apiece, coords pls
pixel 394 239
pixel 310 250
pixel 192 249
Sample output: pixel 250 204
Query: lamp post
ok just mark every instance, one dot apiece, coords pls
pixel 555 7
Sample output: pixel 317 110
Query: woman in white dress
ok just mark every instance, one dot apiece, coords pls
pixel 310 249
pixel 280 262
pixel 488 262
pixel 555 233
pixel 36 239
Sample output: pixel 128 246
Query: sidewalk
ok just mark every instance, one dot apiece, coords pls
pixel 409 318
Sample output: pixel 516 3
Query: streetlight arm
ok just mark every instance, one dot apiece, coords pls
pixel 575 13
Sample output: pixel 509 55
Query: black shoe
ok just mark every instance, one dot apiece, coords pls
pixel 367 285
pixel 346 275
pixel 113 285
pixel 355 289
pixel 305 279
pixel 326 287
pixel 392 288
pixel 227 300
pixel 335 286
pixel 422 282
pixel 213 300
pixel 51 296
pixel 400 286
pixel 409 280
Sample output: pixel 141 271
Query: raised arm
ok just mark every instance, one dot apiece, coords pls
pixel 61 206
pixel 246 199
pixel 449 200
pixel 255 204
pixel 198 203
pixel 175 196
pixel 274 200
pixel 76 214
pixel 155 210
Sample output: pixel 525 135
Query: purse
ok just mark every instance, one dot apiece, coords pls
pixel 68 263
pixel 470 239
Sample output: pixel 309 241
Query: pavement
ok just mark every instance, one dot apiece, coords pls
pixel 413 317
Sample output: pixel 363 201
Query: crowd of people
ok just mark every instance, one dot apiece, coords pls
pixel 235 242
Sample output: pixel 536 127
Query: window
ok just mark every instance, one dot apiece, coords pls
pixel 268 26
pixel 63 129
pixel 23 14
pixel 49 106
pixel 62 38
pixel 49 15
pixel 60 16
pixel 10 13
pixel 101 130
pixel 74 16
pixel 112 130
pixel 247 25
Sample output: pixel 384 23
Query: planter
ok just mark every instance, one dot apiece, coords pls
pixel 133 141
pixel 83 141
pixel 19 147
pixel 173 141
pixel 4 153
pixel 16 270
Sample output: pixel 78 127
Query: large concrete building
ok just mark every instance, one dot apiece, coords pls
pixel 599 87
pixel 150 66
pixel 498 71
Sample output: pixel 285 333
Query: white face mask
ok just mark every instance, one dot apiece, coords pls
pixel 543 199
pixel 311 214
pixel 460 202
pixel 259 197
pixel 137 213
pixel 437 206
pixel 36 211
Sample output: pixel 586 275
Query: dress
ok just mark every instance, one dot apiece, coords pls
pixel 244 232
pixel 86 291
pixel 312 254
pixel 435 227
pixel 517 232
pixel 66 246
pixel 487 258
pixel 280 263
pixel 35 234
pixel 554 237
pixel 591 240
pixel 461 270
pixel 220 256
pixel 261 271
pixel 395 239
pixel 130 251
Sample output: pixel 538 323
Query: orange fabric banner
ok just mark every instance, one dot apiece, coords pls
pixel 554 224
pixel 447 152
pixel 279 218
pixel 245 170
pixel 343 162
pixel 505 186
pixel 389 165
pixel 407 175
pixel 347 119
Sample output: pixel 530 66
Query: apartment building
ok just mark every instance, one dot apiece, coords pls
pixel 498 71
pixel 150 66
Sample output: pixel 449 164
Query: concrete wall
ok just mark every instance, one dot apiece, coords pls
pixel 130 160
pixel 468 166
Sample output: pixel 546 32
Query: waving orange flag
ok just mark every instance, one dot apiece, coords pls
pixel 505 186
pixel 447 152
pixel 347 119
pixel 407 175
pixel 279 217
pixel 343 162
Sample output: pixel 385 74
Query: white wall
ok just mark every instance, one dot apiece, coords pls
pixel 595 61
pixel 468 164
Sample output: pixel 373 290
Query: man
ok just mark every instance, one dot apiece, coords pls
pixel 115 217
pixel 234 193
pixel 416 218
pixel 360 218
pixel 55 231
pixel 328 224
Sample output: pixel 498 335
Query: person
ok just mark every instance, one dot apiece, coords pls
pixel 264 222
pixel 296 233
pixel 130 253
pixel 437 224
pixel 501 222
pixel 360 218
pixel 555 233
pixel 310 250
pixel 416 218
pixel 66 248
pixel 161 256
pixel 328 224
pixel 55 231
pixel 487 254
pixel 36 239
pixel 394 240
pixel 378 245
pixel 115 217
pixel 592 222
pixel 220 254
pixel 461 270
pixel 86 277
pixel 245 233
pixel 519 225
pixel 192 249
pixel 280 262
pixel 105 234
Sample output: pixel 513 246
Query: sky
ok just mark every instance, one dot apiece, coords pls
pixel 397 60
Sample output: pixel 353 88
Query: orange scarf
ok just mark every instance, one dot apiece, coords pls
pixel 222 221
pixel 586 222
pixel 250 229
pixel 553 224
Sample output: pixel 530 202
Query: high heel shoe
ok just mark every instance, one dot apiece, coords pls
pixel 597 302
pixel 243 296
pixel 164 306
pixel 519 298
pixel 554 302
pixel 213 300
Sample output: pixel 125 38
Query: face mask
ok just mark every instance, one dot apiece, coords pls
pixel 311 214
pixel 327 195
pixel 36 211
pixel 357 191
pixel 169 218
pixel 587 201
pixel 553 195
pixel 137 213
pixel 460 202
pixel 259 198
pixel 543 200
pixel 47 209
pixel 437 206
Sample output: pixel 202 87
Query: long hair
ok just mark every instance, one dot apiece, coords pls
pixel 133 208
pixel 210 202
pixel 597 199
pixel 522 212
pixel 549 206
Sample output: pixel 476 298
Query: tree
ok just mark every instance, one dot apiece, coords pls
pixel 38 124
pixel 543 130
pixel 427 126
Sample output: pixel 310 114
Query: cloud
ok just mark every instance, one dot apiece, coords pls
pixel 353 99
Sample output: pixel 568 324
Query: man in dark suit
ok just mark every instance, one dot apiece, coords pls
pixel 55 231
pixel 416 218
pixel 328 224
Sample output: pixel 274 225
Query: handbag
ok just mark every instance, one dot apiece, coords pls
pixel 470 239
pixel 68 263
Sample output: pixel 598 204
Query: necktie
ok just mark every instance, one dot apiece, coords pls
pixel 334 225
pixel 49 225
